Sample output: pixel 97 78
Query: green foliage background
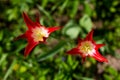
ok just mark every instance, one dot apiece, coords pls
pixel 49 61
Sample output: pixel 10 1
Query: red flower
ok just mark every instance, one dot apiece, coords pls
pixel 88 47
pixel 35 34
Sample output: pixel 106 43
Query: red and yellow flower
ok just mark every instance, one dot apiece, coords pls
pixel 35 34
pixel 88 47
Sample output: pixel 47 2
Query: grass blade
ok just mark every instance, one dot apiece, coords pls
pixel 54 51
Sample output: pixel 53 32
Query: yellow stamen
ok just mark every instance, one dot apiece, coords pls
pixel 86 47
pixel 39 33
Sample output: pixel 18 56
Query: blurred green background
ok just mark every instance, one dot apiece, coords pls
pixel 49 61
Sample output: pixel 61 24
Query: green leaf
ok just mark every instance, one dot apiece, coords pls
pixel 73 32
pixel 22 46
pixel 74 8
pixel 65 66
pixel 44 3
pixel 12 14
pixel 112 71
pixel 118 77
pixel 86 78
pixel 62 8
pixel 113 9
pixel 86 22
pixel 47 14
pixel 3 58
pixel 71 29
pixel 79 77
pixel 88 9
pixel 107 77
pixel 70 60
pixel 9 71
pixel 54 51
pixel 75 65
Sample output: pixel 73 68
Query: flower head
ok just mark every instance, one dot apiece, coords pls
pixel 88 47
pixel 35 34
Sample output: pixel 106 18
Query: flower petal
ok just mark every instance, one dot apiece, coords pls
pixel 52 29
pixel 83 59
pixel 73 51
pixel 99 45
pixel 28 21
pixel 21 36
pixel 79 40
pixel 99 57
pixel 29 47
pixel 90 35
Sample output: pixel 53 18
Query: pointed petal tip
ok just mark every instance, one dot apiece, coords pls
pixel 106 60
pixel 20 37
pixel 79 40
pixel 73 51
pixel 99 57
pixel 91 32
pixel 58 28
pixel 24 14
pixel 102 44
pixel 99 46
pixel 103 59
pixel 90 35
pixel 25 55
pixel 28 21
pixel 29 48
pixel 70 52
pixel 83 59
pixel 52 29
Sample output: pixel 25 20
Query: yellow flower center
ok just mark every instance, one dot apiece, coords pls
pixel 39 33
pixel 87 47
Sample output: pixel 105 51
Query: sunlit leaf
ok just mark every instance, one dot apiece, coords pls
pixel 86 22
pixel 3 57
pixel 71 29
pixel 44 3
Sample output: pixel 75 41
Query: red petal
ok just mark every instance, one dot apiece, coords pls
pixel 73 51
pixel 29 35
pixel 29 47
pixel 99 45
pixel 52 29
pixel 28 21
pixel 90 35
pixel 99 57
pixel 21 36
pixel 83 59
pixel 79 40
